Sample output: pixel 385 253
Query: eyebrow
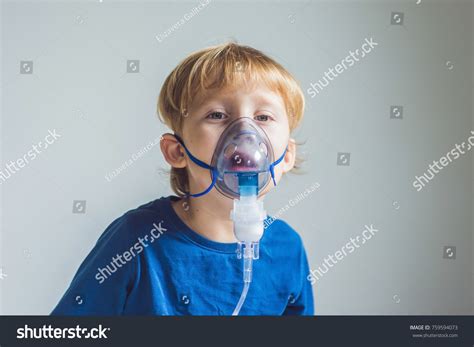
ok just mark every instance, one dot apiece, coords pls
pixel 271 103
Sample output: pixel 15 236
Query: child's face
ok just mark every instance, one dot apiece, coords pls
pixel 211 114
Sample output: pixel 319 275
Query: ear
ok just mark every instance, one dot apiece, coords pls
pixel 288 161
pixel 172 151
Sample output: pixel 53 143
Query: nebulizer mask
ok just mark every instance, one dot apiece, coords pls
pixel 241 167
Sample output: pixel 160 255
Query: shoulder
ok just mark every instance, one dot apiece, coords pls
pixel 135 222
pixel 280 231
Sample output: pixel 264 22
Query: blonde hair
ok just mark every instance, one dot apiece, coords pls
pixel 223 66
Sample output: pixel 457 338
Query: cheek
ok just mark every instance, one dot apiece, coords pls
pixel 202 148
pixel 279 139
pixel 201 142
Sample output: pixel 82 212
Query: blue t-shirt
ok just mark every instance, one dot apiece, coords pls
pixel 149 262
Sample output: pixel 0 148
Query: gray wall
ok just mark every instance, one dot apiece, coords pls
pixel 81 88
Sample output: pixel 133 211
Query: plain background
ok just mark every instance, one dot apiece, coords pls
pixel 81 88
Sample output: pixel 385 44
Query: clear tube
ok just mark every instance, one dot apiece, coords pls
pixel 248 254
pixel 242 299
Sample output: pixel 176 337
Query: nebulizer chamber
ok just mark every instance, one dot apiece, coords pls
pixel 248 216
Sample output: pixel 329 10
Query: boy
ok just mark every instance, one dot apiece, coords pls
pixel 177 255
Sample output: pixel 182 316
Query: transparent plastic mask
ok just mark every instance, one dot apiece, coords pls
pixel 242 157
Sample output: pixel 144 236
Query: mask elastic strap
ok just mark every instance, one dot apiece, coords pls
pixel 272 165
pixel 214 178
pixel 193 158
pixel 202 164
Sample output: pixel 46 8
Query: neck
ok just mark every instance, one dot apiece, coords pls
pixel 208 216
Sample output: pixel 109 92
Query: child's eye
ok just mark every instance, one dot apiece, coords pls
pixel 262 118
pixel 216 115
